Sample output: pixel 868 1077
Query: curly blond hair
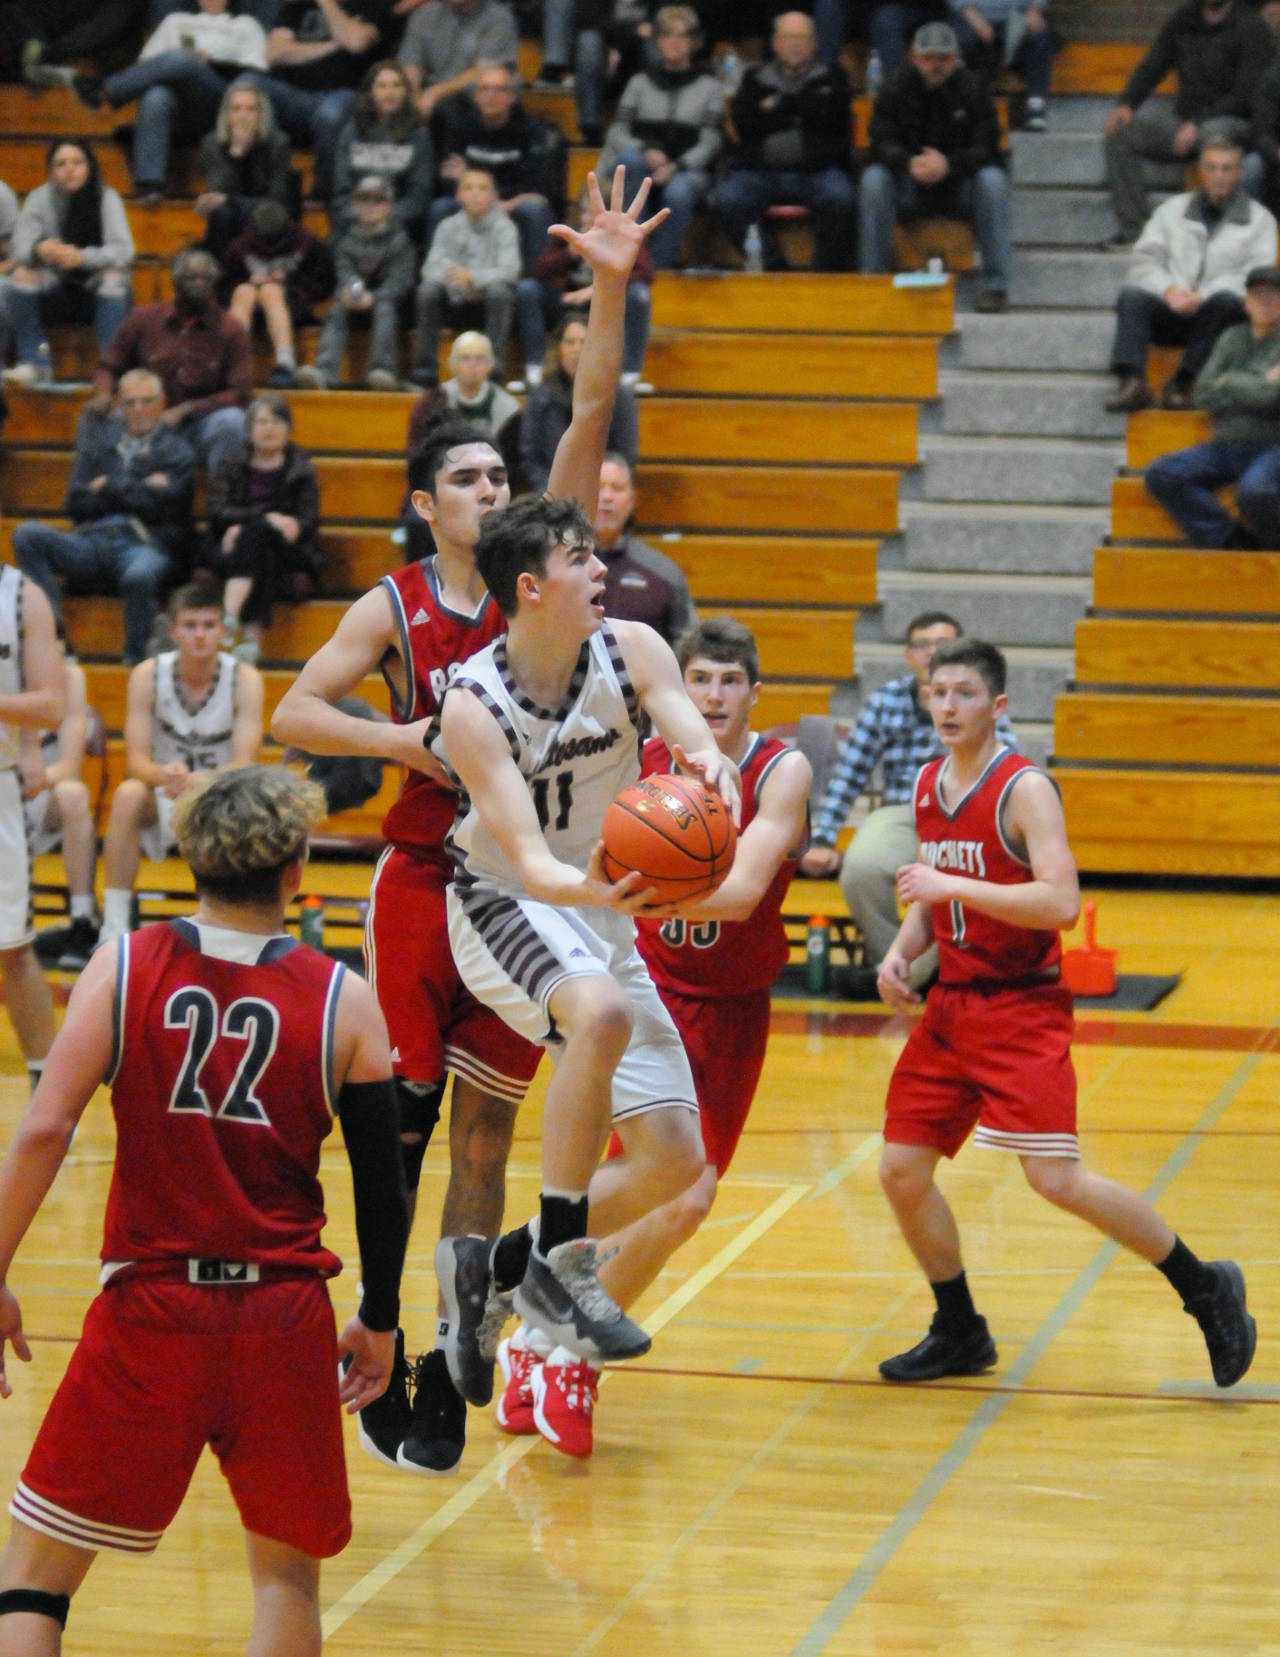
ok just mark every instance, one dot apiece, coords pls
pixel 240 827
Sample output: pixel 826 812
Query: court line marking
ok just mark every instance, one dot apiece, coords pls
pixel 483 1481
pixel 845 1601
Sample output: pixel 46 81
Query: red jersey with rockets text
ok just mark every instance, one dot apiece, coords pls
pixel 223 1092
pixel 434 642
pixel 969 838
pixel 722 958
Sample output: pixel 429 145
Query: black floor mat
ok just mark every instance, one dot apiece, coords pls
pixel 1135 992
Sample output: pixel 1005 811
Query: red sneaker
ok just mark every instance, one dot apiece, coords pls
pixel 564 1400
pixel 518 1363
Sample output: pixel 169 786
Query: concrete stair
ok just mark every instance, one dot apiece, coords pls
pixel 1001 404
pixel 1006 609
pixel 1063 471
pixel 1043 341
pixel 951 538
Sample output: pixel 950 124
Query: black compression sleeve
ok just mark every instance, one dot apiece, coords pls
pixel 371 1127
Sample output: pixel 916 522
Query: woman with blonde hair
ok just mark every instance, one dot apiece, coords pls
pixel 245 159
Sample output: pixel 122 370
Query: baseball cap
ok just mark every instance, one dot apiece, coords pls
pixel 375 188
pixel 1263 276
pixel 936 37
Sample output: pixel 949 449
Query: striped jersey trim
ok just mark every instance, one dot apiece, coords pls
pixel 515 944
pixel 484 1076
pixel 1029 1144
pixel 370 946
pixel 405 708
pixel 52 1520
pixel 526 703
pixel 499 713
pixel 330 1022
pixel 118 1006
pixel 635 713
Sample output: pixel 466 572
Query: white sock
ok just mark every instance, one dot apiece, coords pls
pixel 117 901
pixel 82 906
pixel 285 357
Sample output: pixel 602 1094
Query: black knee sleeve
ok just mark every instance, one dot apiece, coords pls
pixel 419 1112
pixel 36 1603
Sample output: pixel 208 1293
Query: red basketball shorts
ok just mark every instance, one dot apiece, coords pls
pixel 164 1368
pixel 999 1063
pixel 434 1021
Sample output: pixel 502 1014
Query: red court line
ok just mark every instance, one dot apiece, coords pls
pixel 1090 1032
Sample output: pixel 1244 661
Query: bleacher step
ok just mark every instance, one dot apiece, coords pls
pixel 1061 218
pixel 1060 280
pixel 1025 609
pixel 1034 343
pixel 1033 469
pixel 950 537
pixel 997 403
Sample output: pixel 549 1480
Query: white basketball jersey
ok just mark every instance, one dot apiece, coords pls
pixel 198 737
pixel 575 757
pixel 12 678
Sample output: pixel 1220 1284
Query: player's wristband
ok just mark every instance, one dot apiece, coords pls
pixel 371 1127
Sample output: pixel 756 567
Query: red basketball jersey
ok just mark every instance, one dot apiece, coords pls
pixel 223 1091
pixel 715 958
pixel 969 839
pixel 434 642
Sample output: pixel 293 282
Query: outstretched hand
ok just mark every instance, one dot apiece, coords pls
pixel 613 235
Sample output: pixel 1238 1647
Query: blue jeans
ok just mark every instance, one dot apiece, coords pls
pixel 984 200
pixel 176 92
pixel 741 198
pixel 1033 59
pixel 383 318
pixel 680 195
pixel 215 436
pixel 891 28
pixel 104 556
pixel 1185 482
pixel 532 220
pixel 33 310
pixel 539 307
pixel 315 118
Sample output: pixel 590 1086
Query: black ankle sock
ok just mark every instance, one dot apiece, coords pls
pixel 1188 1274
pixel 510 1257
pixel 955 1303
pixel 563 1220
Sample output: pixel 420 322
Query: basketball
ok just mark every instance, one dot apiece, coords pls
pixel 674 832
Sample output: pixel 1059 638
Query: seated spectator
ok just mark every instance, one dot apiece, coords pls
pixel 71 252
pixel 1240 387
pixel 188 711
pixel 561 285
pixel 385 136
pixel 1186 281
pixel 318 54
pixel 894 23
pixel 935 151
pixel 469 275
pixel 277 267
pixel 487 126
pixel 129 501
pixel 446 41
pixel 549 409
pixel 613 43
pixel 475 394
pixel 375 262
pixel 179 82
pixel 791 115
pixel 1219 50
pixel 8 224
pixel 245 160
pixel 264 523
pixel 1014 32
pixel 640 584
pixel 669 127
pixel 201 355
pixel 43 38
pixel 60 818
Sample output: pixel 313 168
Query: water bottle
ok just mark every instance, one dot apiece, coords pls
pixel 356 291
pixel 730 71
pixel 875 75
pixel 311 921
pixel 44 363
pixel 817 955
pixel 753 250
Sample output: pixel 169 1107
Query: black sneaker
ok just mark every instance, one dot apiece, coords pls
pixel 944 1351
pixel 380 1426
pixel 1229 1331
pixel 462 1271
pixel 561 1295
pixel 67 948
pixel 437 1432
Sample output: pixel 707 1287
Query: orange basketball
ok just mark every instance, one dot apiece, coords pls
pixel 674 832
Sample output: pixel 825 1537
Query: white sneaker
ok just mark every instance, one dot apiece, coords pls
pixel 311 379
pixel 22 373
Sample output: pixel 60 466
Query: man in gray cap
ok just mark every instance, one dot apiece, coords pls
pixel 935 152
pixel 1240 387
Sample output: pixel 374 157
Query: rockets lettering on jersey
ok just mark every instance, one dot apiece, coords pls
pixel 962 857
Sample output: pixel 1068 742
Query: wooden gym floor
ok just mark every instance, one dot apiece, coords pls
pixel 755 1488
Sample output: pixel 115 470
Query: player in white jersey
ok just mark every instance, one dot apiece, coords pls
pixel 32 697
pixel 540 730
pixel 192 710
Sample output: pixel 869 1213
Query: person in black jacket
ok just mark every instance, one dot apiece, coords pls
pixel 1219 50
pixel 386 136
pixel 245 159
pixel 795 132
pixel 1262 164
pixel 935 151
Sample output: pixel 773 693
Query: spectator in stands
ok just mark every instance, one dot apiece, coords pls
pixel 1219 50
pixel 129 501
pixel 375 276
pixel 60 817
pixel 1240 387
pixel 487 126
pixel 894 730
pixel 245 160
pixel 201 354
pixel 446 41
pixel 278 268
pixel 550 408
pixel 72 251
pixel 1262 163
pixel 1186 281
pixel 794 127
pixel 178 81
pixel 613 42
pixel 1013 32
pixel 264 524
pixel 8 224
pixel 469 275
pixel 640 584
pixel 560 286
pixel 669 128
pixel 385 136
pixel 45 37
pixel 895 23
pixel 935 152
pixel 318 54
pixel 476 395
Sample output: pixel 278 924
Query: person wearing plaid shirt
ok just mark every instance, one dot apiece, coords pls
pixel 895 728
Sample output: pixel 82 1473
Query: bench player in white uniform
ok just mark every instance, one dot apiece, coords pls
pixel 32 698
pixel 60 817
pixel 541 731
pixel 191 710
